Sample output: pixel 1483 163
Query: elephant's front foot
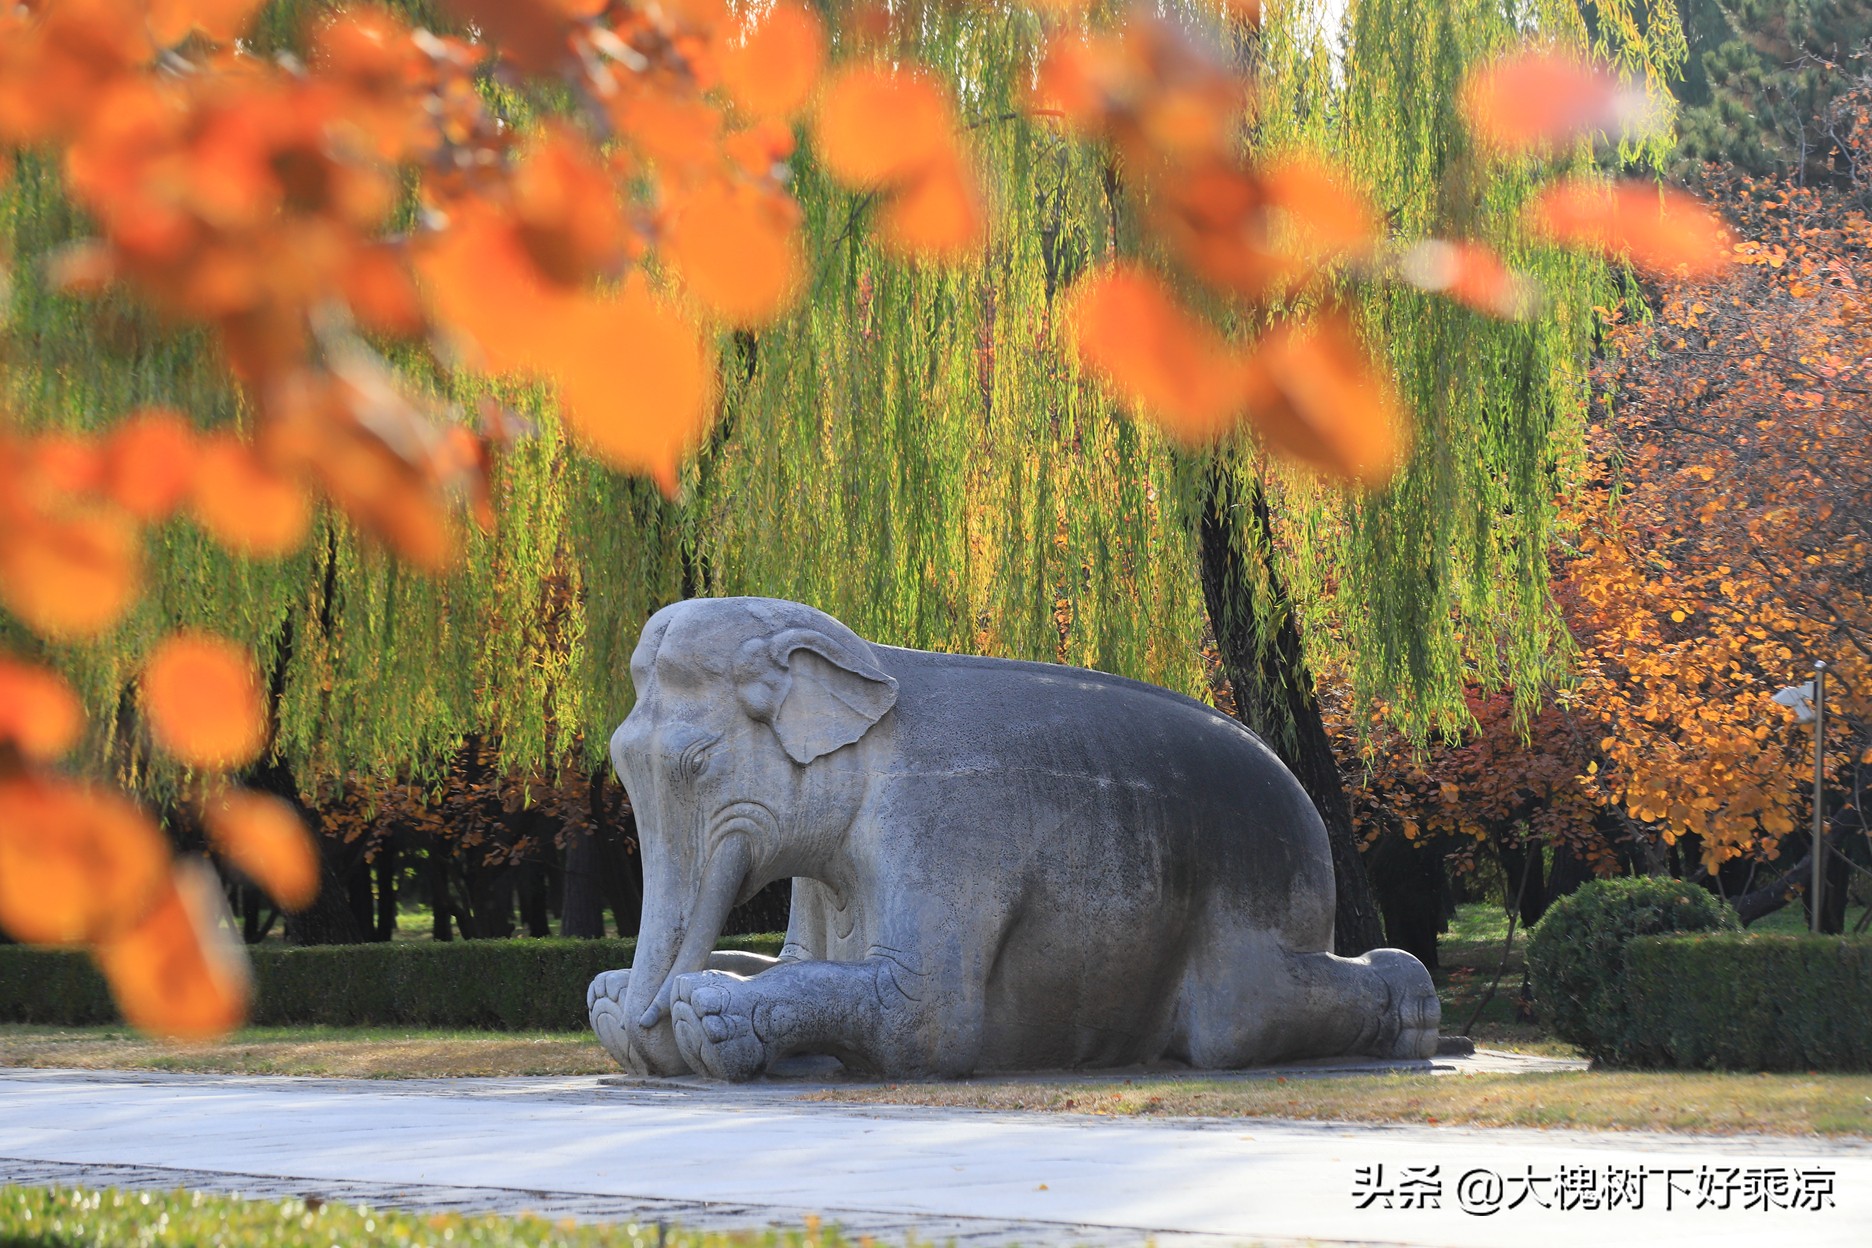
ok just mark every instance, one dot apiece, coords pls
pixel 714 1020
pixel 604 1005
pixel 1409 1029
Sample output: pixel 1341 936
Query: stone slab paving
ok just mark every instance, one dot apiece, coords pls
pixel 718 1156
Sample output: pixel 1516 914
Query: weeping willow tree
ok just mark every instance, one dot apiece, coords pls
pixel 914 451
pixel 1441 580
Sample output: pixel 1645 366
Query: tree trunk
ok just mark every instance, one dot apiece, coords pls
pixel 530 889
pixel 386 888
pixel 1517 860
pixel 329 920
pixel 1410 885
pixel 620 873
pixel 583 915
pixel 439 889
pixel 362 897
pixel 1274 693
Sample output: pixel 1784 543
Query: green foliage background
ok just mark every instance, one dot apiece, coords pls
pixel 912 449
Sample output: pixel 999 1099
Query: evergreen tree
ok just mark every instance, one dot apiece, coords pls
pixel 1760 81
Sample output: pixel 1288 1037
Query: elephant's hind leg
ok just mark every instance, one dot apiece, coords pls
pixel 1285 1005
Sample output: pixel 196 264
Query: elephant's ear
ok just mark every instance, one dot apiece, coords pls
pixel 817 692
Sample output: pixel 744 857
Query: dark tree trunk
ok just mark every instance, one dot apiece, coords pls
pixel 1838 880
pixel 329 920
pixel 1568 873
pixel 582 912
pixel 253 903
pixel 1518 861
pixel 362 897
pixel 439 889
pixel 1274 693
pixel 492 900
pixel 620 872
pixel 386 889
pixel 1410 884
pixel 530 889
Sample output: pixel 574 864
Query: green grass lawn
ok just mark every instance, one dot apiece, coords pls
pixel 340 1052
pixel 1683 1101
pixel 33 1217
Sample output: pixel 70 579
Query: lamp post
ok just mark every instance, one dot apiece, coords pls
pixel 1819 804
pixel 1808 702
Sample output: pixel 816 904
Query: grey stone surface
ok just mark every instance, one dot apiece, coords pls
pixel 748 1155
pixel 997 866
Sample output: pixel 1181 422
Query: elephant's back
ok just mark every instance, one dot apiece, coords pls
pixel 1097 774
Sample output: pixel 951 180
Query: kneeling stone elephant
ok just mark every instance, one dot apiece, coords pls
pixel 997 866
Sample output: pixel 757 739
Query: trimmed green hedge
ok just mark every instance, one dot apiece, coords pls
pixel 1751 1002
pixel 1576 955
pixel 504 985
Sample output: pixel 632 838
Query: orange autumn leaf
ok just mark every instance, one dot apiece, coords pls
pixel 533 34
pixel 377 456
pixel 489 295
pixel 70 576
pixel 1533 99
pixel 773 70
pixel 179 972
pixel 245 505
pixel 877 126
pixel 202 696
pixel 566 214
pixel 1469 273
pixel 39 714
pixel 69 463
pixel 1075 81
pixel 149 463
pixel 635 382
pixel 937 216
pixel 1655 228
pixel 1316 395
pixel 1155 355
pixel 267 841
pixel 634 377
pixel 759 148
pixel 737 251
pixel 75 861
pixel 172 21
pixel 381 292
pixel 1328 217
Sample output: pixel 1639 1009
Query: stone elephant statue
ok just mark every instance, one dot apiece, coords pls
pixel 996 865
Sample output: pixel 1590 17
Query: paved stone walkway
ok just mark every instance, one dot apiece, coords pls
pixel 715 1156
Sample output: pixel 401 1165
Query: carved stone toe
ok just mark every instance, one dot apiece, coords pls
pixel 604 1005
pixel 713 1036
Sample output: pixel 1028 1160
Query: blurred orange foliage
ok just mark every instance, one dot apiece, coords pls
pixel 263 837
pixel 202 696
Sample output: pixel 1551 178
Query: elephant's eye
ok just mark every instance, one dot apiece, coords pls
pixel 694 757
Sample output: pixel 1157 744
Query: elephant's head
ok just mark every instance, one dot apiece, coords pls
pixel 737 762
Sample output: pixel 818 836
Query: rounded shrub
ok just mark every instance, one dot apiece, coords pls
pixel 1576 956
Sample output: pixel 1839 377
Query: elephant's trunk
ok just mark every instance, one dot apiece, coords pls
pixel 677 935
